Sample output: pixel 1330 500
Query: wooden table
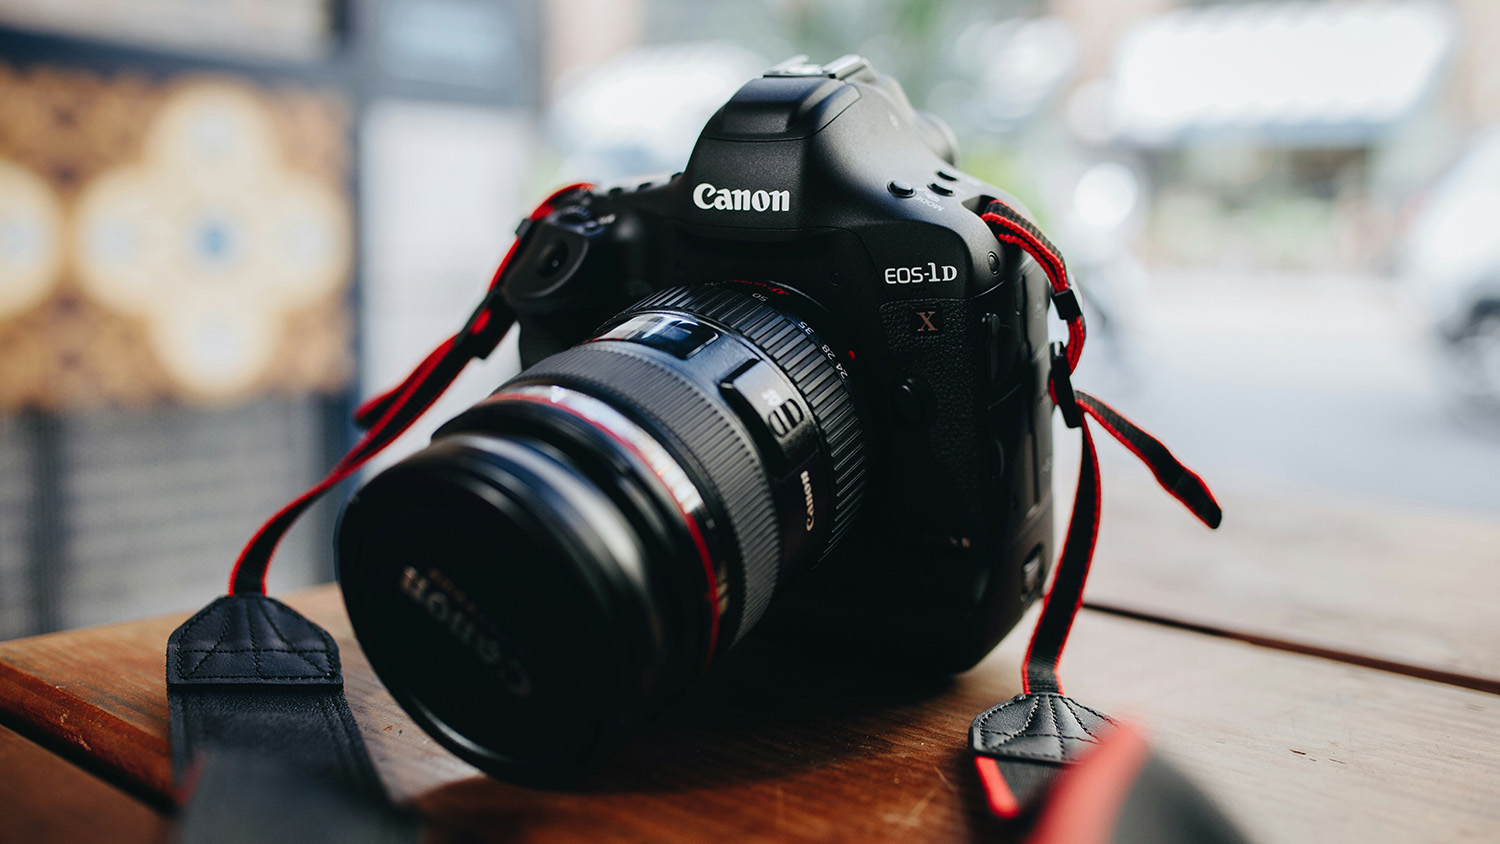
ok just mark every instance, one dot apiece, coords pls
pixel 1327 672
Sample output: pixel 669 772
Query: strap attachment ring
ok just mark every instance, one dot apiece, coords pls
pixel 1067 303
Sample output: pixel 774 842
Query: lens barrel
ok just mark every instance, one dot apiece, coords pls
pixel 569 554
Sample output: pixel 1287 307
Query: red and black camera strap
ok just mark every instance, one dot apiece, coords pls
pixel 1120 791
pixel 1021 746
pixel 388 415
pixel 256 690
pixel 264 746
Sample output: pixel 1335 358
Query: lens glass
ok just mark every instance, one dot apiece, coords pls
pixel 570 553
pixel 478 624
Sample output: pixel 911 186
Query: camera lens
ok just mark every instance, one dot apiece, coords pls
pixel 569 554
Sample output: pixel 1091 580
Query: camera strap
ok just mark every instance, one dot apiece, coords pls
pixel 1022 745
pixel 263 743
pixel 256 691
pixel 388 415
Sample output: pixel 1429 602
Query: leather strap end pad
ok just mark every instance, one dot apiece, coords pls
pixel 251 640
pixel 250 674
pixel 1031 737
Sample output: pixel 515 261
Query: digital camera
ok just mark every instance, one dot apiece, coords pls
pixel 798 388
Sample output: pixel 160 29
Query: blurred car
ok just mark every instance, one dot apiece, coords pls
pixel 1451 262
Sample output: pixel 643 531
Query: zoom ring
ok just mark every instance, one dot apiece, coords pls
pixel 709 436
pixel 799 353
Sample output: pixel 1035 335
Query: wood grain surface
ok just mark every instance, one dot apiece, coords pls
pixel 1297 748
pixel 46 798
pixel 1378 580
pixel 96 694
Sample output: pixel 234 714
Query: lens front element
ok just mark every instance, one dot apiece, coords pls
pixel 570 553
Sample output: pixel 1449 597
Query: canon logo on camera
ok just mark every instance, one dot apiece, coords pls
pixel 708 197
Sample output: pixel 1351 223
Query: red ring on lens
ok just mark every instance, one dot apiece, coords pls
pixel 695 530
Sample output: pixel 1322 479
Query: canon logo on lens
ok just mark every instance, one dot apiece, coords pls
pixel 441 608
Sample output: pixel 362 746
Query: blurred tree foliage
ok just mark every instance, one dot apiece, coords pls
pixel 911 39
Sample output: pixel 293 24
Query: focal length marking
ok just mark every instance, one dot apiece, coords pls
pixel 708 197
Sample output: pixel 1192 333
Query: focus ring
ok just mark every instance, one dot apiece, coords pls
pixel 801 357
pixel 708 433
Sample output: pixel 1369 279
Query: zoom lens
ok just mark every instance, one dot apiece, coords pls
pixel 569 554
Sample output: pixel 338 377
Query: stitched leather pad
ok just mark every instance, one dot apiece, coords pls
pixel 1032 737
pixel 1040 727
pixel 251 639
pixel 248 674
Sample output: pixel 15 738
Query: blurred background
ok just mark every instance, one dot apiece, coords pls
pixel 224 221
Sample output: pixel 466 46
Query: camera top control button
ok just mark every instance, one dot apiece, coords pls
pixel 844 67
pixel 900 188
pixel 797 66
pixel 940 189
pixel 947 176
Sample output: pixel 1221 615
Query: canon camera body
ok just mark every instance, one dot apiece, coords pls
pixel 798 385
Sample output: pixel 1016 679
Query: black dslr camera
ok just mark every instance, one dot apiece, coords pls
pixel 799 384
